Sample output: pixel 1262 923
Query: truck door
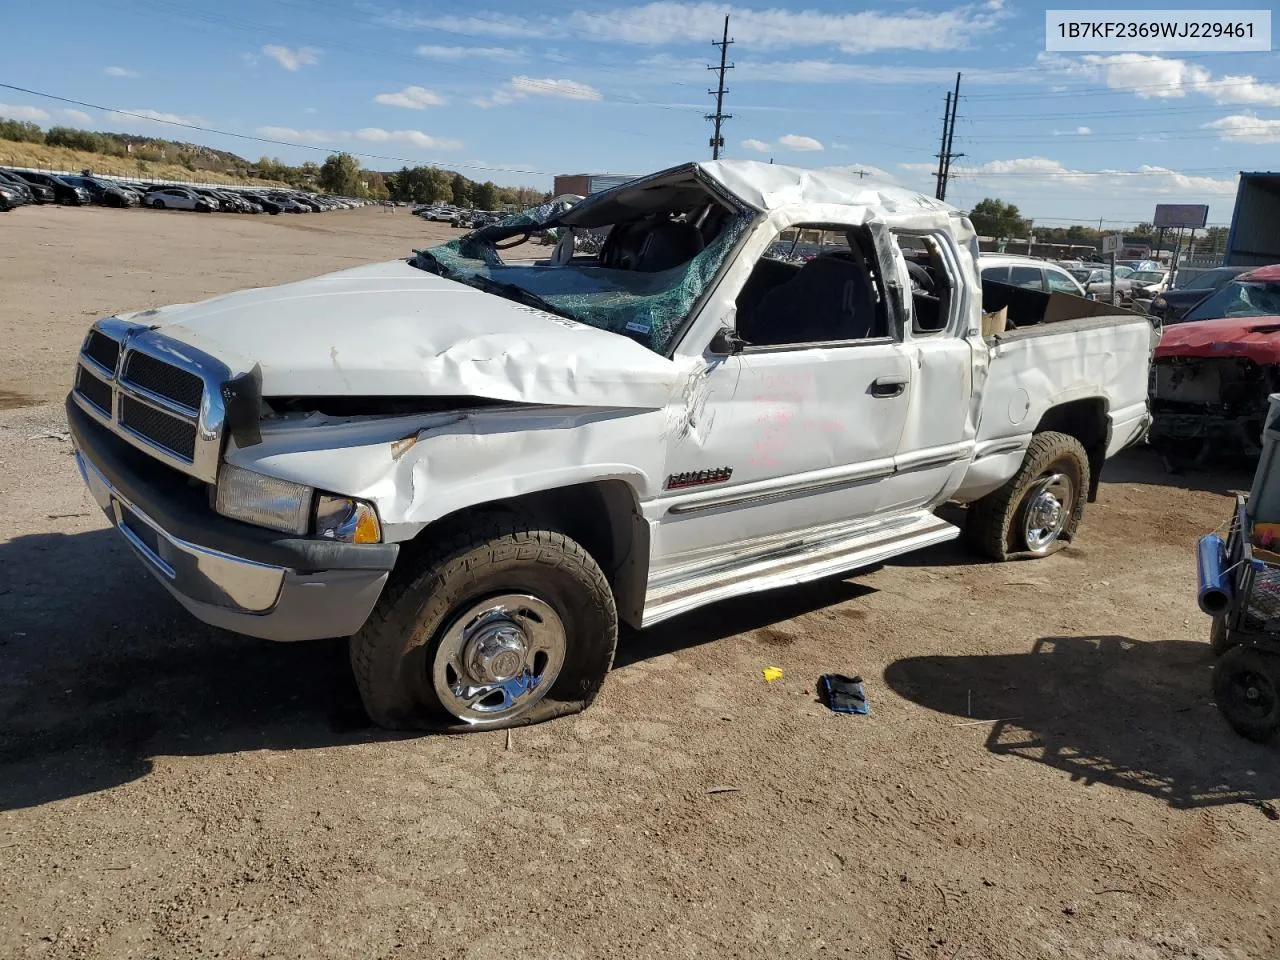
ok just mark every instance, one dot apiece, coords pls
pixel 938 437
pixel 800 428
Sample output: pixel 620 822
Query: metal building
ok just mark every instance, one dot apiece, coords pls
pixel 1254 239
pixel 585 184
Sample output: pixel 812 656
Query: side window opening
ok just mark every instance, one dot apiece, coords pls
pixel 816 283
pixel 1029 277
pixel 932 288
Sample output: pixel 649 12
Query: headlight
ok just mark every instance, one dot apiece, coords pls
pixel 265 501
pixel 342 518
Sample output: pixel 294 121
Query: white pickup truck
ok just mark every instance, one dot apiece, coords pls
pixel 477 467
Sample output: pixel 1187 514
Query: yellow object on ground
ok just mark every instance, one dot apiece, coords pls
pixel 771 674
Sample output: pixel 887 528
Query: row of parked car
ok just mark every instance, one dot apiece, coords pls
pixel 457 216
pixel 18 187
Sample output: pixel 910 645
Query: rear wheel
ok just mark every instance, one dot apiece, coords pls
pixel 1037 512
pixel 1246 687
pixel 503 624
pixel 1220 637
pixel 157 204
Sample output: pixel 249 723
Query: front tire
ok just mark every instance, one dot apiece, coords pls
pixel 503 624
pixel 1038 511
pixel 157 204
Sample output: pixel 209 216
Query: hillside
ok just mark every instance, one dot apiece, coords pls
pixel 42 155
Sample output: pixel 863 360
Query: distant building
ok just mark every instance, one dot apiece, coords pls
pixel 585 184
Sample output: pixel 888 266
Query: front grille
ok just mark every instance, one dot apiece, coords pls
pixel 163 379
pixel 172 433
pixel 102 349
pixel 94 390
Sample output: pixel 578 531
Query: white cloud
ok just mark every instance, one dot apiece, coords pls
pixel 481 25
pixel 667 22
pixel 303 136
pixel 310 110
pixel 1083 131
pixel 1028 173
pixel 1149 76
pixel 412 98
pixel 1077 132
pixel 75 116
pixel 793 141
pixel 819 70
pixel 292 60
pixel 751 143
pixel 518 88
pixel 413 137
pixel 452 54
pixel 120 72
pixel 22 112
pixel 1246 127
pixel 159 116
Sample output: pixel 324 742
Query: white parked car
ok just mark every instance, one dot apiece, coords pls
pixel 1028 272
pixel 477 469
pixel 178 198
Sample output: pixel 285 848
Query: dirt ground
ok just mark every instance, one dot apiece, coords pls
pixel 1043 773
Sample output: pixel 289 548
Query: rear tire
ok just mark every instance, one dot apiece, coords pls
pixel 454 624
pixel 1038 511
pixel 157 204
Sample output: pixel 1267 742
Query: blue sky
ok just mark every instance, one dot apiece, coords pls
pixel 515 92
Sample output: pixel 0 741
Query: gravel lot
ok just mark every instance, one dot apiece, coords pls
pixel 1043 773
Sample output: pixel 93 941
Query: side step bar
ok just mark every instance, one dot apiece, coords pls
pixel 797 561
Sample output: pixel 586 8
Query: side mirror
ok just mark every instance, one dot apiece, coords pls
pixel 726 343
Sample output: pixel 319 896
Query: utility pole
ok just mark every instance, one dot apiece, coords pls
pixel 717 141
pixel 942 148
pixel 945 154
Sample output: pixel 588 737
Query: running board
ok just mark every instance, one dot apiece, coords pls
pixel 798 561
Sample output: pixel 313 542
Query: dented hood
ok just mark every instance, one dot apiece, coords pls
pixel 1257 338
pixel 391 329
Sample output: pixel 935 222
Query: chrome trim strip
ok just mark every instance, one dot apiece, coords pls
pixel 146 444
pixel 94 367
pixel 163 404
pixel 862 473
pixel 998 446
pixel 934 456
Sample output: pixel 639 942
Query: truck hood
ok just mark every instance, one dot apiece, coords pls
pixel 1257 338
pixel 390 329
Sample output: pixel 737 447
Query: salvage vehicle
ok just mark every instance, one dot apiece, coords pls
pixel 1213 373
pixel 1171 306
pixel 478 468
pixel 63 192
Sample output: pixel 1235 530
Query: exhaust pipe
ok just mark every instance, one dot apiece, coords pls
pixel 1213 588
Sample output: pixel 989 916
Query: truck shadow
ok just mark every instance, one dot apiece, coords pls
pixel 1106 710
pixel 104 671
pixel 1144 465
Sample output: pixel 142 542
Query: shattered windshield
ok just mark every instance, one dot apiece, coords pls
pixel 639 276
pixel 1239 299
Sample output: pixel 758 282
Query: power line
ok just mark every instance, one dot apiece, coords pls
pixel 273 141
pixel 717 141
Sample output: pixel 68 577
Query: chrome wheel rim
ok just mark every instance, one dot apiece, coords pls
pixel 498 658
pixel 1048 509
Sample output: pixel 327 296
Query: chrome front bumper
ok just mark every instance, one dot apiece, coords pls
pixel 235 593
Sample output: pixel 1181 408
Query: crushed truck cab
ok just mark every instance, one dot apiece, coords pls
pixel 477 466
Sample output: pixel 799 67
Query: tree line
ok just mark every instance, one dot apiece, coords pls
pixel 995 218
pixel 340 173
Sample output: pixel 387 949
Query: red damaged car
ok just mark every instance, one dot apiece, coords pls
pixel 1213 372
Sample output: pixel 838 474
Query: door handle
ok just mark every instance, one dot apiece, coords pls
pixel 885 387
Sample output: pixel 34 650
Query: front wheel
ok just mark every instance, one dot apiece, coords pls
pixel 501 625
pixel 157 204
pixel 1037 512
